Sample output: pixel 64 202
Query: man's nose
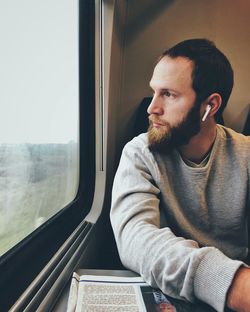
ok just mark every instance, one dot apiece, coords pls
pixel 155 107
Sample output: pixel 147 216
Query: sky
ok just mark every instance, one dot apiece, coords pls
pixel 39 71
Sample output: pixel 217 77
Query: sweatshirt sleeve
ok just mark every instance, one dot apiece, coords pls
pixel 178 266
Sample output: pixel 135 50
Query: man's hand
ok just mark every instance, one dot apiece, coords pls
pixel 238 297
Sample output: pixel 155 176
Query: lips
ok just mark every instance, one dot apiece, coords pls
pixel 156 123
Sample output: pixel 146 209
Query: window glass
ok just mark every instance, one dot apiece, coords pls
pixel 39 159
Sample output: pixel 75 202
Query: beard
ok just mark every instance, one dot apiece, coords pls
pixel 166 138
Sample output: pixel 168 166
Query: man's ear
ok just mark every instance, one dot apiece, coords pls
pixel 214 100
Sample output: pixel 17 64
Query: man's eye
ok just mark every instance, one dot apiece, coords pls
pixel 168 94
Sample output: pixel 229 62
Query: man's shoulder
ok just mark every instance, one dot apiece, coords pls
pixel 232 136
pixel 139 142
pixel 138 149
pixel 234 143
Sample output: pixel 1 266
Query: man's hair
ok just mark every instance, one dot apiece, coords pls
pixel 212 71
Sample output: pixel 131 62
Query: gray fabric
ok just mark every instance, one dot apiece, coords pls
pixel 184 229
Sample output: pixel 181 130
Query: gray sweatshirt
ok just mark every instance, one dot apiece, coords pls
pixel 184 229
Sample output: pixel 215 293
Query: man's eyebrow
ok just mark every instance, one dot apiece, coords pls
pixel 164 89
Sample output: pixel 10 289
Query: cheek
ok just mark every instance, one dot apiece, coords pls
pixel 177 110
pixel 174 114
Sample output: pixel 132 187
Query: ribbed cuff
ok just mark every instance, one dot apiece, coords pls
pixel 213 278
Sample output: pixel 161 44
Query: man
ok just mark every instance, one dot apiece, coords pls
pixel 181 192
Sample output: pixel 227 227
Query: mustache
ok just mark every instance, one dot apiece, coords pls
pixel 155 119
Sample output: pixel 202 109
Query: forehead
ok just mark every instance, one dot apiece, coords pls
pixel 172 73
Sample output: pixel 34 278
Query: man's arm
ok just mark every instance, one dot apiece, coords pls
pixel 176 265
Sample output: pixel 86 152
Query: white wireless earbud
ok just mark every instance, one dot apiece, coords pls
pixel 208 108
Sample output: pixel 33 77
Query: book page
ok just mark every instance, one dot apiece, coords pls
pixel 110 294
pixel 95 293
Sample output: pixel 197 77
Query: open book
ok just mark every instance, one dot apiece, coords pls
pixel 93 293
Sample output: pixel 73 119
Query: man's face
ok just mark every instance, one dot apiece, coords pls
pixel 174 112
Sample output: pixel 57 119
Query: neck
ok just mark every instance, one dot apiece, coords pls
pixel 200 144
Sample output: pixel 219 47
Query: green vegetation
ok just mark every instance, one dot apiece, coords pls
pixel 36 181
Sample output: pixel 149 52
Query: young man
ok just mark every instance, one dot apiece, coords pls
pixel 181 193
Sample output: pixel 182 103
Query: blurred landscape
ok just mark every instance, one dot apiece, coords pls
pixel 36 181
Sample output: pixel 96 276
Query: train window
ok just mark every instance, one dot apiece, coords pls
pixel 47 125
pixel 39 140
